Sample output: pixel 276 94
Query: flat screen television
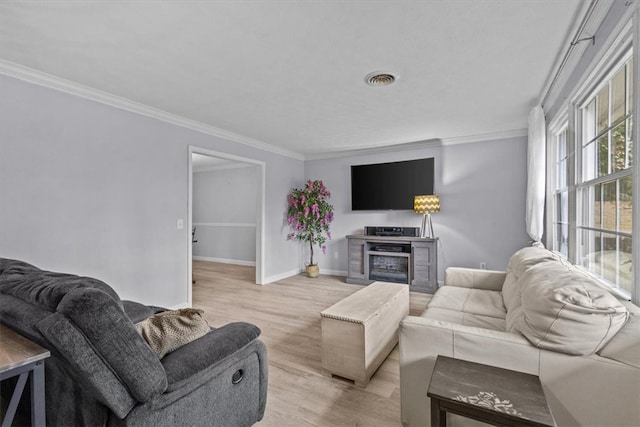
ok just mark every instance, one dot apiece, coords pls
pixel 384 186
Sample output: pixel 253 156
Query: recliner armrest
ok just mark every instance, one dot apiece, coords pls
pixel 474 278
pixel 136 311
pixel 208 350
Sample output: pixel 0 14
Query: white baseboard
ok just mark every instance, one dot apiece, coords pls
pixel 333 272
pixel 290 273
pixel 281 276
pixel 225 261
pixel 273 278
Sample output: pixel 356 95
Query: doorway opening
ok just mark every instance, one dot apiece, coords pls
pixel 201 159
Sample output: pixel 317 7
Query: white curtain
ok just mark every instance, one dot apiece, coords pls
pixel 536 174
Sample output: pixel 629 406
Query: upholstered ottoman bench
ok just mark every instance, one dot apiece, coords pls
pixel 359 332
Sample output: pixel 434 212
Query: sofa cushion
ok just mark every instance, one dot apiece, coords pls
pixel 490 280
pixel 518 264
pixel 9 267
pixel 473 301
pixel 565 311
pixel 44 289
pixel 136 312
pixel 466 319
pixel 170 330
pixel 513 317
pixel 625 345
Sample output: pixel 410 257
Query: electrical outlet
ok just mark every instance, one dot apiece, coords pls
pixel 335 255
pixel 483 265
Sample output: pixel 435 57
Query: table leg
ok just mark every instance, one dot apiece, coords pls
pixel 38 415
pixel 438 416
pixel 15 399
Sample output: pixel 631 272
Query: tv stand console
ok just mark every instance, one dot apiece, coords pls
pixel 399 259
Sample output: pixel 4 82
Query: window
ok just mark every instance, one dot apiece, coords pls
pixel 604 183
pixel 560 214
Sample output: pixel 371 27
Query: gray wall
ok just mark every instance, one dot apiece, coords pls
pixel 74 196
pixel 482 195
pixel 224 212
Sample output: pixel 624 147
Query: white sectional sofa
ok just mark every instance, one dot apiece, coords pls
pixel 542 316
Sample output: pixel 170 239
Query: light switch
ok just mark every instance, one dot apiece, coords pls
pixel 180 224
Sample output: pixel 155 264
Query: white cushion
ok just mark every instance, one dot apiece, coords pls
pixel 625 345
pixel 491 280
pixel 511 292
pixel 513 317
pixel 465 319
pixel 473 301
pixel 565 311
pixel 518 264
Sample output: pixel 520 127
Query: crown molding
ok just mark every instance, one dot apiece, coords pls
pixel 429 143
pixel 374 150
pixel 486 137
pixel 57 83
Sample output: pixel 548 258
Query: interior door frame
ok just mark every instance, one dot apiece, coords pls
pixel 260 212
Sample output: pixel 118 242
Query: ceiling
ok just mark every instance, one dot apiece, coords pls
pixel 290 74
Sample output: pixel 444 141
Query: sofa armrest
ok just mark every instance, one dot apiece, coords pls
pixel 422 340
pixel 491 280
pixel 193 358
pixel 568 380
pixel 223 374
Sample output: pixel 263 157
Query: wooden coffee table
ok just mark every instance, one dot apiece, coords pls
pixel 359 332
pixel 20 357
pixel 486 393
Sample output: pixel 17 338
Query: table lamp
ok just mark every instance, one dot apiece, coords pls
pixel 425 205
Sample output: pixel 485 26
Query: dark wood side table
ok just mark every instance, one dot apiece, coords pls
pixel 21 357
pixel 486 393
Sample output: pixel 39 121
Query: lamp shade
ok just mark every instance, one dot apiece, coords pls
pixel 426 204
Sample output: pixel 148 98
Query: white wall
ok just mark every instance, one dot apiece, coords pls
pixel 224 213
pixel 482 195
pixel 74 196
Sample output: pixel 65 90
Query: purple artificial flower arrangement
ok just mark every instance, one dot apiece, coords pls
pixel 309 214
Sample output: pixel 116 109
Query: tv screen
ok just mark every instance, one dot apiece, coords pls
pixel 384 186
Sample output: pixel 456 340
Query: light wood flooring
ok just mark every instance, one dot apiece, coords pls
pixel 288 313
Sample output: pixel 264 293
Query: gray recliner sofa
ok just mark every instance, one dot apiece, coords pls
pixel 102 372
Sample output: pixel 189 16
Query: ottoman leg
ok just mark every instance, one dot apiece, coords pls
pixel 362 384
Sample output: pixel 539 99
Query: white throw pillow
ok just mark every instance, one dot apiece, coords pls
pixel 625 345
pixel 565 311
pixel 519 263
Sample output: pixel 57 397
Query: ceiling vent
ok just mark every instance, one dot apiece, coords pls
pixel 379 78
